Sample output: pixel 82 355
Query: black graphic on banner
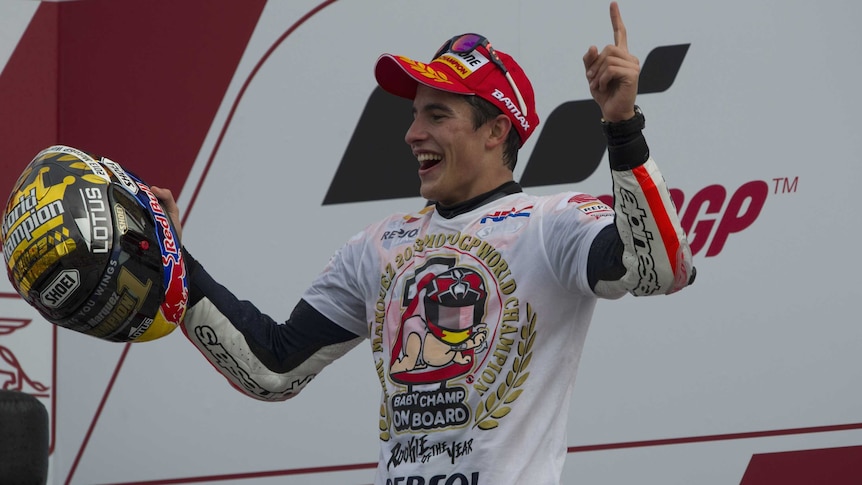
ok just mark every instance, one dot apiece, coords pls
pixel 378 165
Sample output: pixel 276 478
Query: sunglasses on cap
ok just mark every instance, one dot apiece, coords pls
pixel 466 43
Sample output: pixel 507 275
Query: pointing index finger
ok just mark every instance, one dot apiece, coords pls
pixel 620 38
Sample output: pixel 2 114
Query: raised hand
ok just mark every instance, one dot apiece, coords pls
pixel 166 199
pixel 613 73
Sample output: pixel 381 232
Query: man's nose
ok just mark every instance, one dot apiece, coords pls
pixel 415 133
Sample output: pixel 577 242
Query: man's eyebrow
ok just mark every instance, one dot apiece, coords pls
pixel 434 107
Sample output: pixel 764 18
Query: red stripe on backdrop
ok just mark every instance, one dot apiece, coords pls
pixel 28 98
pixel 716 437
pixel 758 462
pixel 142 81
pixel 242 90
pixel 136 81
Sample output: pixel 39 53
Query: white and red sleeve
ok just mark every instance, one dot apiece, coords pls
pixel 656 254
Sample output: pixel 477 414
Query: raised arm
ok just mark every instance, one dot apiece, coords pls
pixel 645 252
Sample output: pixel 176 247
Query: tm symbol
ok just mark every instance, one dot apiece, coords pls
pixel 785 185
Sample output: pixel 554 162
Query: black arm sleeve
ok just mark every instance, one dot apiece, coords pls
pixel 280 347
pixel 605 261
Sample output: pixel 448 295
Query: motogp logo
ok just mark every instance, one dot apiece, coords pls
pixel 710 212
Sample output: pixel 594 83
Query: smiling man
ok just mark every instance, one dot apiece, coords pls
pixel 477 306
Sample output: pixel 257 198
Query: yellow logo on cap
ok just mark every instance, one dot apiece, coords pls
pixel 426 70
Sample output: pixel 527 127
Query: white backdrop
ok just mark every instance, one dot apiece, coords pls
pixel 767 340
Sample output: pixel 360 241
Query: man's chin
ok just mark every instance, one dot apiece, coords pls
pixel 426 190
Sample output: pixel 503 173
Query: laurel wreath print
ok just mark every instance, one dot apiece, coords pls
pixel 496 406
pixel 426 70
pixel 385 420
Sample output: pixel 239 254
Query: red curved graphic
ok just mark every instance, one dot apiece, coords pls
pixel 835 466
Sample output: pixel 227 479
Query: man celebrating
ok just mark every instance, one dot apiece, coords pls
pixel 477 319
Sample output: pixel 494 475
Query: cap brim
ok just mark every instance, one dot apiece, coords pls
pixel 400 76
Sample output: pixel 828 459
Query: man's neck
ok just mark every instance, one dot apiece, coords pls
pixel 448 212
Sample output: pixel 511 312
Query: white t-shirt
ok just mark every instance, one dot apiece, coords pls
pixel 476 325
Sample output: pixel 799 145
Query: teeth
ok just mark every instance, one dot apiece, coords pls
pixel 427 157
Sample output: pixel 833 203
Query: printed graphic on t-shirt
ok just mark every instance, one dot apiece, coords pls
pixel 453 344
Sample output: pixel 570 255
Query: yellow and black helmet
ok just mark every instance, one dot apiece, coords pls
pixel 89 246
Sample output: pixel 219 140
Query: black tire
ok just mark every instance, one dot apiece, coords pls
pixel 24 439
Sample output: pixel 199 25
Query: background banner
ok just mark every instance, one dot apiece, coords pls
pixel 265 120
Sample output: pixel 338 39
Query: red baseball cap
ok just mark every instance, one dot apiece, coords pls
pixel 472 73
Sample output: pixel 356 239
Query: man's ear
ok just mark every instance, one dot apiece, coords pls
pixel 500 127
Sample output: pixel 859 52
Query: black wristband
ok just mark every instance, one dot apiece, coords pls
pixel 630 155
pixel 627 147
pixel 622 132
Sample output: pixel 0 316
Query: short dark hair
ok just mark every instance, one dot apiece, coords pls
pixel 483 112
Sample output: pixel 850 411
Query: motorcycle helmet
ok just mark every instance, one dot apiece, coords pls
pixel 88 245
